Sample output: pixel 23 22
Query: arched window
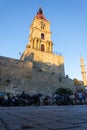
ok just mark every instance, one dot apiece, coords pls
pixel 42 35
pixel 42 47
pixel 37 44
pixel 33 44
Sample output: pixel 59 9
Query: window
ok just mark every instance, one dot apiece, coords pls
pixel 42 47
pixel 42 35
pixel 42 27
pixel 33 44
pixel 37 44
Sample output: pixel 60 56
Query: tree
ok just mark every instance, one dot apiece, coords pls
pixel 76 82
pixel 64 90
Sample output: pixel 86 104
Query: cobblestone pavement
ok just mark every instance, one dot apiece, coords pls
pixel 44 118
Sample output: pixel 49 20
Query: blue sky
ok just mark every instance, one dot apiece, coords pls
pixel 68 26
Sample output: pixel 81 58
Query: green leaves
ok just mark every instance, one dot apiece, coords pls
pixel 63 90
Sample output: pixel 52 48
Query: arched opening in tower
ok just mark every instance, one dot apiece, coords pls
pixel 42 47
pixel 42 35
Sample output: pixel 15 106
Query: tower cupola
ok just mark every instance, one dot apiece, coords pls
pixel 40 14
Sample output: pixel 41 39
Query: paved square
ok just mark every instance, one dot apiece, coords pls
pixel 44 118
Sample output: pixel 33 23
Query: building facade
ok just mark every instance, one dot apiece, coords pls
pixel 38 70
pixel 40 47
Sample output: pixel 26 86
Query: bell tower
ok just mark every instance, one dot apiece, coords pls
pixel 40 35
pixel 39 49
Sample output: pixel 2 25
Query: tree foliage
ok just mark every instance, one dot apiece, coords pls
pixel 76 82
pixel 64 91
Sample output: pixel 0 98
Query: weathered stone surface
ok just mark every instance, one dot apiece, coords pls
pixel 32 77
pixel 46 61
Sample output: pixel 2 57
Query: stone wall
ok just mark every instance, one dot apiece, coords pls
pixel 13 72
pixel 17 76
pixel 46 83
pixel 47 61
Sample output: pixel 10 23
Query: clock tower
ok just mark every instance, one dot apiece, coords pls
pixel 39 49
pixel 40 35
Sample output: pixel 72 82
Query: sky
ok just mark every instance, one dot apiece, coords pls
pixel 68 20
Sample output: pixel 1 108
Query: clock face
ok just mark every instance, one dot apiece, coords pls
pixel 42 23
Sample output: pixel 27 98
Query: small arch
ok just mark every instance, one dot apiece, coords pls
pixel 37 44
pixel 33 44
pixel 42 47
pixel 42 35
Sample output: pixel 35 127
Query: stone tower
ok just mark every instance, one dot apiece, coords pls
pixel 40 35
pixel 83 71
pixel 40 46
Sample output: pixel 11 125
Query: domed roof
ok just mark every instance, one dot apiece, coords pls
pixel 40 14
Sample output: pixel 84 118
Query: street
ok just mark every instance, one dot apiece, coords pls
pixel 44 118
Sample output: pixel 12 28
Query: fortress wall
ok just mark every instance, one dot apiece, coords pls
pixel 47 83
pixel 13 71
pixel 14 67
pixel 43 57
pixel 52 69
pixel 46 61
pixel 17 76
pixel 48 58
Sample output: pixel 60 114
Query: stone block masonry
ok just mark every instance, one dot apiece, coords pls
pixel 17 76
pixel 46 61
pixel 13 72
